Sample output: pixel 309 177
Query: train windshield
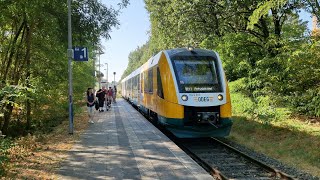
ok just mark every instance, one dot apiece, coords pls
pixel 197 74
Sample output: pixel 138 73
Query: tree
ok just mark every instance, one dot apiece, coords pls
pixel 33 50
pixel 263 43
pixel 137 58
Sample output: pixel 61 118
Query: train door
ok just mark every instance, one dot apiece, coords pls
pixel 131 89
pixel 159 95
pixel 139 89
pixel 135 89
pixel 154 85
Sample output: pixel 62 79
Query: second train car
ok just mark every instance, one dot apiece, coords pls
pixel 183 89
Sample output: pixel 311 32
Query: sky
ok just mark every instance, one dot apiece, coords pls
pixel 132 32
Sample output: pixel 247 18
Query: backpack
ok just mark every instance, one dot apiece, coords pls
pixel 96 104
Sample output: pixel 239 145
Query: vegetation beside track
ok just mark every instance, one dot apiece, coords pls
pixel 294 140
pixel 38 156
pixel 33 59
pixel 33 71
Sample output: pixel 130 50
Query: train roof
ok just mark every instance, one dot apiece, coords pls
pixel 170 52
pixel 186 51
pixel 150 63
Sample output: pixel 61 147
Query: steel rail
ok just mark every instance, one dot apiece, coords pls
pixel 276 172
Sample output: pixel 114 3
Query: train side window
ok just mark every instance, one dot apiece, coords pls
pixel 126 87
pixel 145 82
pixel 141 81
pixel 134 79
pixel 138 83
pixel 150 80
pixel 130 88
pixel 159 84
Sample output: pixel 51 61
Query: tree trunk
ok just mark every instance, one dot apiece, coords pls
pixel 7 115
pixel 277 32
pixel 12 51
pixel 28 74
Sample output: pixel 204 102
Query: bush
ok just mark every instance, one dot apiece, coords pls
pixel 241 105
pixel 267 112
pixel 261 107
pixel 307 102
pixel 5 144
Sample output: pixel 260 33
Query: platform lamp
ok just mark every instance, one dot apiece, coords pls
pixel 107 72
pixel 99 53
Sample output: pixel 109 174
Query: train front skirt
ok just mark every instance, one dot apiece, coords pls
pixel 179 130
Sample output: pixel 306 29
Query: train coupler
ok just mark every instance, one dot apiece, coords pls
pixel 212 118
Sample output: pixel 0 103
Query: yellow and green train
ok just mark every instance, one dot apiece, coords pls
pixel 183 89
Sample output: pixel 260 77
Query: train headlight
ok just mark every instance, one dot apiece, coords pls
pixel 220 97
pixel 184 98
pixel 190 48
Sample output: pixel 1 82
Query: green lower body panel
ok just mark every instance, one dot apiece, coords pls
pixel 143 109
pixel 204 130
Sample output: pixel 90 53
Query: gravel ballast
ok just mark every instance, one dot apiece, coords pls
pixel 272 162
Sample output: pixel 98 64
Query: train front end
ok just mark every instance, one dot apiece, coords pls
pixel 202 92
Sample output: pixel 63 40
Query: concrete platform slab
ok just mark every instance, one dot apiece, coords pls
pixel 122 144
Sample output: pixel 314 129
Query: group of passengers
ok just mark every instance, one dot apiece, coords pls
pixel 102 98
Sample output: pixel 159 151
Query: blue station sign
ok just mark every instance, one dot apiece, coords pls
pixel 80 53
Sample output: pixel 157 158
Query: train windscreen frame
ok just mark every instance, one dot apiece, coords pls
pixel 197 74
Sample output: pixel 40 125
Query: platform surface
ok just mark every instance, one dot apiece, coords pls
pixel 122 144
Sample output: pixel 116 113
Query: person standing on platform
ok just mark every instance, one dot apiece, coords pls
pixel 90 104
pixel 114 93
pixel 109 96
pixel 101 98
pixel 105 97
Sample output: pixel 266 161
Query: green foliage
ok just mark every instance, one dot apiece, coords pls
pixel 9 94
pixel 5 144
pixel 263 9
pixel 137 58
pixel 241 104
pixel 261 107
pixel 264 46
pixel 307 102
pixel 33 61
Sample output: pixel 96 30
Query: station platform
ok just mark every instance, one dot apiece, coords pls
pixel 122 144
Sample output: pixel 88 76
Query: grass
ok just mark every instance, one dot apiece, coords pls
pixel 262 125
pixel 291 141
pixel 37 157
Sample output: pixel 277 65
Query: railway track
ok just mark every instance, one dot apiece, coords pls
pixel 223 161
pixel 226 162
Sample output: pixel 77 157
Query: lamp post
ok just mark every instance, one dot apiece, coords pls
pixel 107 71
pixel 99 53
pixel 94 72
pixel 70 55
pixel 114 79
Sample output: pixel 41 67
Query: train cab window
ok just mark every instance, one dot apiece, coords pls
pixel 197 74
pixel 159 84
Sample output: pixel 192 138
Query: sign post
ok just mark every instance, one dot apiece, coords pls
pixel 70 55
